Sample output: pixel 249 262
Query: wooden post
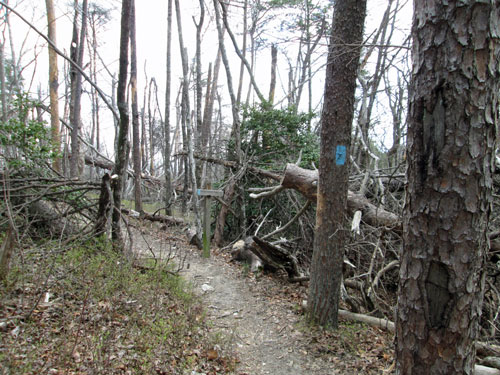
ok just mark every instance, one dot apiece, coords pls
pixel 207 193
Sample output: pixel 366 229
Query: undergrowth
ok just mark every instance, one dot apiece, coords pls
pixel 87 310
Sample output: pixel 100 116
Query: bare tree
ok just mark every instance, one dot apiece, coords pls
pixel 122 143
pixel 77 50
pixel 53 84
pixel 166 162
pixel 191 167
pixel 136 150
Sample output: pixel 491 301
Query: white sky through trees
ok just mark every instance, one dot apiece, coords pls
pixel 151 48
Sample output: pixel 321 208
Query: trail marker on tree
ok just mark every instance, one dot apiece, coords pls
pixel 207 193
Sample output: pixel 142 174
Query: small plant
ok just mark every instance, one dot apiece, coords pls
pixel 26 142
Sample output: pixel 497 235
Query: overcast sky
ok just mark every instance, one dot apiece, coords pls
pixel 151 36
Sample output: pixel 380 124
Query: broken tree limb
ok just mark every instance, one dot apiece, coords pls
pixel 287 225
pixel 387 325
pixel 268 193
pixel 370 320
pixel 232 164
pixel 109 165
pixel 274 257
pixel 306 182
pixel 104 209
pixel 158 218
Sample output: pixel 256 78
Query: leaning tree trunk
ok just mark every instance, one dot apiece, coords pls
pixel 122 143
pixel 336 122
pixel 453 116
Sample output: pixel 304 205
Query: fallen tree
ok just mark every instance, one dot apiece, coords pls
pixel 305 181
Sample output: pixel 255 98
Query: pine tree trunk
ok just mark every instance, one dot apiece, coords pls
pixel 453 116
pixel 336 124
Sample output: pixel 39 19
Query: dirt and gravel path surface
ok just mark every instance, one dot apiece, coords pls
pixel 268 333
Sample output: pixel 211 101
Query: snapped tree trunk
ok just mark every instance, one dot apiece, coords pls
pixel 453 116
pixel 336 123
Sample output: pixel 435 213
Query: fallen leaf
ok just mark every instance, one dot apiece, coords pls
pixel 212 354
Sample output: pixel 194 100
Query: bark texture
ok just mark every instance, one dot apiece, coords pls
pixel 336 123
pixel 452 127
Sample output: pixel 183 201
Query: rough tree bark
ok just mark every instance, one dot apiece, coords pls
pixel 336 123
pixel 453 116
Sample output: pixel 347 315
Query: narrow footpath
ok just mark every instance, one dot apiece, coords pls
pixel 260 315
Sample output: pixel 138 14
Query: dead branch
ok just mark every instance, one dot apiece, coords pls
pixel 306 182
pixel 164 219
pixel 275 257
pixel 287 225
pixel 268 193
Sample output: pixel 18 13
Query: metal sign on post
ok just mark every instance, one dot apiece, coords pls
pixel 210 193
pixel 207 193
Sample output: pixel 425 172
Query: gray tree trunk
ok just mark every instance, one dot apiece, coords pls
pixel 167 166
pixel 122 143
pixel 77 50
pixel 53 84
pixel 136 134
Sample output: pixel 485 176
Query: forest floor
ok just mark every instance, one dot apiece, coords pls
pixel 82 309
pixel 261 318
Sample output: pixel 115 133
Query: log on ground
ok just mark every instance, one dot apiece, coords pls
pixel 274 257
pixel 306 182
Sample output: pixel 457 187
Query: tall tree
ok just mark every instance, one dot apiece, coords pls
pixel 453 116
pixel 199 92
pixel 122 142
pixel 167 166
pixel 336 124
pixel 136 136
pixel 77 50
pixel 53 85
pixel 191 167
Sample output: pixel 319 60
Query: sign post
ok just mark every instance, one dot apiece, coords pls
pixel 207 193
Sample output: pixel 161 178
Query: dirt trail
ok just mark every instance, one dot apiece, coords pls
pixel 266 330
